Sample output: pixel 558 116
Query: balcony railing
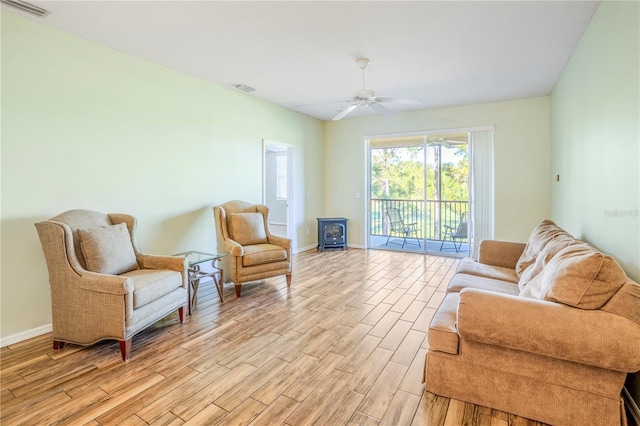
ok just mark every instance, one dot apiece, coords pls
pixel 430 215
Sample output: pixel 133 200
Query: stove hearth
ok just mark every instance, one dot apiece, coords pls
pixel 332 233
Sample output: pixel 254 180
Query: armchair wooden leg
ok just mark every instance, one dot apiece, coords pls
pixel 57 345
pixel 288 280
pixel 181 310
pixel 125 349
pixel 238 289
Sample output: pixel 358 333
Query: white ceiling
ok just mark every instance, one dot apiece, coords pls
pixel 301 54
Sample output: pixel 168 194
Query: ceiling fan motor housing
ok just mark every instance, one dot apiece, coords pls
pixel 364 95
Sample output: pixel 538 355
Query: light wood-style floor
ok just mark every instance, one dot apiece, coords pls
pixel 345 345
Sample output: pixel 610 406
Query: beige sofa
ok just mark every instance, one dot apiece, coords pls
pixel 546 330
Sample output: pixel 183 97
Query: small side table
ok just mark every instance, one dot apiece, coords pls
pixel 195 258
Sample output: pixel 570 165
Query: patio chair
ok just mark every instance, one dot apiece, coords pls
pixel 456 233
pixel 397 227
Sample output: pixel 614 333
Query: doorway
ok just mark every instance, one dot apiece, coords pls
pixel 419 190
pixel 277 191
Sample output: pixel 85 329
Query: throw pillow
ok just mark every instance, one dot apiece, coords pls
pixel 577 276
pixel 247 228
pixel 553 247
pixel 108 249
pixel 540 236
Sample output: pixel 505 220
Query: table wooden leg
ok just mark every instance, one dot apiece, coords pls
pixel 217 280
pixel 189 294
pixel 195 283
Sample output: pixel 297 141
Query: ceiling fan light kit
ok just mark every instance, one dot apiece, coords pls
pixel 367 98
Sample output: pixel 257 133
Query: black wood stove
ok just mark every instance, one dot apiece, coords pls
pixel 332 233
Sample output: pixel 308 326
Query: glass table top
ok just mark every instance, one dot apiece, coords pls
pixel 195 257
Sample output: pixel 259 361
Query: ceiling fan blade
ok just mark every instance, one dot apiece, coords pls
pixel 380 109
pixel 344 112
pixel 400 100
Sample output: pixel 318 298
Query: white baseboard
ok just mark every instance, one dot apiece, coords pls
pixel 301 249
pixel 25 335
pixel 315 246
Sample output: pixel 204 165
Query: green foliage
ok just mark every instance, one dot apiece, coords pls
pixel 397 173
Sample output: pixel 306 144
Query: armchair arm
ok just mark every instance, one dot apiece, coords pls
pixel 280 241
pixel 109 284
pixel 104 283
pixel 551 329
pixel 173 263
pixel 500 253
pixel 233 248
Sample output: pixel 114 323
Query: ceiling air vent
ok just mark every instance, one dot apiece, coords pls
pixel 26 7
pixel 242 87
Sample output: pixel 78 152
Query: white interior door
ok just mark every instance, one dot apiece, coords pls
pixel 277 191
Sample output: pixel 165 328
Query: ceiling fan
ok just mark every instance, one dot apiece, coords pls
pixel 368 98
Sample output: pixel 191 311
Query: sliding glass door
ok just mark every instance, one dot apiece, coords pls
pixel 419 193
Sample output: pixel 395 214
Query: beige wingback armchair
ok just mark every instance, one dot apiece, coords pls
pixel 242 232
pixel 102 286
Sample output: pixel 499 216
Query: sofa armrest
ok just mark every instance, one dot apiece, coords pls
pixel 500 253
pixel 592 337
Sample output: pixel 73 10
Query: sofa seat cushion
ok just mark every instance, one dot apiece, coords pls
pixel 151 284
pixel 462 281
pixel 443 334
pixel 577 276
pixel 471 267
pixel 258 254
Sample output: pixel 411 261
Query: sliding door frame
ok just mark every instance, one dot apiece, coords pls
pixel 425 134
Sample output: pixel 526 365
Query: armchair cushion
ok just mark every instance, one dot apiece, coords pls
pixel 152 284
pixel 247 228
pixel 108 249
pixel 263 253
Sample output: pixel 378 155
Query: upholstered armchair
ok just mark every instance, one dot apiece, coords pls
pixel 102 286
pixel 253 253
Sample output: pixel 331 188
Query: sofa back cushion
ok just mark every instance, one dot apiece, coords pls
pixel 577 276
pixel 558 242
pixel 626 302
pixel 540 236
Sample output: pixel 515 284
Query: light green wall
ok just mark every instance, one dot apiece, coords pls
pixel 85 126
pixel 595 134
pixel 595 118
pixel 521 155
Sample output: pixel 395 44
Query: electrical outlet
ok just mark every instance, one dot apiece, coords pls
pixel 307 231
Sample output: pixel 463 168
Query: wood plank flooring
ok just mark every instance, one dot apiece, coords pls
pixel 345 345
